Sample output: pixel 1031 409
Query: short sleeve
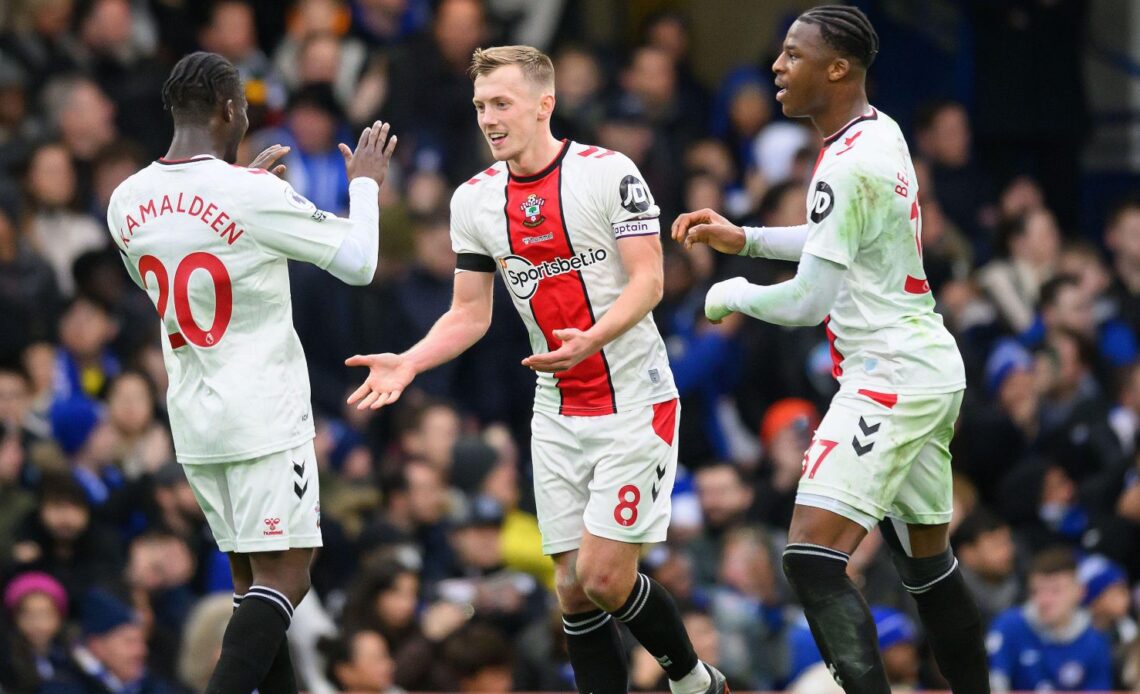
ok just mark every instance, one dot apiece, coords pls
pixel 837 215
pixel 470 254
pixel 626 199
pixel 284 223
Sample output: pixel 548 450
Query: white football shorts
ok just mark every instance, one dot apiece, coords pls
pixel 880 454
pixel 611 475
pixel 267 504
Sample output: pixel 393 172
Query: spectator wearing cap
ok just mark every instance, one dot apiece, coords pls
pixel 984 546
pixel 31 646
pixel 483 470
pixel 1109 601
pixel 996 436
pixel 785 433
pixel 111 655
pixel 500 595
pixel 62 539
pixel 1049 643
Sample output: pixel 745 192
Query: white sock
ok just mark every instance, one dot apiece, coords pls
pixel 696 682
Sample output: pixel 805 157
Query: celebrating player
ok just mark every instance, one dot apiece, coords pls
pixel 882 450
pixel 209 242
pixel 574 232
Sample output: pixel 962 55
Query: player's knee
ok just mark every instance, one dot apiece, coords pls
pixel 814 572
pixel 605 586
pixel 919 575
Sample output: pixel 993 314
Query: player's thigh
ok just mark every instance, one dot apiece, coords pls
pixel 276 501
pixel 561 474
pixel 925 496
pixel 635 457
pixel 858 458
pixel 211 489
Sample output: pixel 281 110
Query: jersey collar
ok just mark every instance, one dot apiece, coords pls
pixel 546 171
pixel 871 115
pixel 195 158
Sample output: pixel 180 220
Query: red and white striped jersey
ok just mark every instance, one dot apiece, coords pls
pixel 553 237
pixel 209 242
pixel 863 214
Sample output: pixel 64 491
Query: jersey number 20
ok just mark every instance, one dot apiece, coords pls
pixel 223 296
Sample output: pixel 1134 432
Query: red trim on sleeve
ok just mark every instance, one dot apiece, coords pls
pixel 884 399
pixel 915 285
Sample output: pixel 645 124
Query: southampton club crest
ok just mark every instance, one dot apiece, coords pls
pixel 532 208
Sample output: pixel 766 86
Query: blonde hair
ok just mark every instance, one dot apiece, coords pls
pixel 536 65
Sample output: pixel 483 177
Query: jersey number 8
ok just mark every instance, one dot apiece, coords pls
pixel 223 296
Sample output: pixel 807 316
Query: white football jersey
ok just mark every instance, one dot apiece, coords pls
pixel 553 238
pixel 209 243
pixel 863 214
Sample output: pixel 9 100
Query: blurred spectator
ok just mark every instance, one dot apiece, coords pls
pixel 433 114
pixel 742 108
pixel 946 254
pixel 29 294
pixel 1049 643
pixel 1067 304
pixel 429 430
pixel 85 365
pixel 120 59
pixel 42 40
pixel 145 445
pixel 645 672
pixel 113 165
pixel 578 83
pixel 316 48
pixel 33 647
pixel 898 643
pixel 476 658
pixel 786 433
pixel 489 468
pixel 54 228
pixel 725 497
pixel 649 86
pixel 965 191
pixel 202 640
pixel 1029 248
pixel 111 656
pixel 18 131
pixel 1108 601
pixel 985 550
pixel 359 662
pixel 1122 237
pixel 231 31
pixel 541 661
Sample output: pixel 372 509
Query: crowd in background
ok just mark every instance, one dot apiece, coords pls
pixel 432 575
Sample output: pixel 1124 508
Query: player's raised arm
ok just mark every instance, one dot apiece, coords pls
pixel 462 326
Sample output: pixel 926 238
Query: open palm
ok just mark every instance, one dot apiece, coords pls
pixel 388 376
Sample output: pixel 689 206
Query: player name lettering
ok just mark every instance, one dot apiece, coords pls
pixel 191 205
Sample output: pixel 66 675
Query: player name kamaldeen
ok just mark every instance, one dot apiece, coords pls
pixel 219 220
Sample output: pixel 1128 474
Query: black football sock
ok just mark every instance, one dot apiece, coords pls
pixel 954 628
pixel 280 679
pixel 838 616
pixel 651 615
pixel 251 642
pixel 596 653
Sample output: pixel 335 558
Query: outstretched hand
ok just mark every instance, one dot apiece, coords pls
pixel 373 152
pixel 388 376
pixel 708 226
pixel 268 156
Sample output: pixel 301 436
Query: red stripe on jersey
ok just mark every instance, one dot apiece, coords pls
pixel 665 420
pixel 884 399
pixel 490 171
pixel 588 151
pixel 836 357
pixel 818 159
pixel 915 285
pixel 560 300
pixel 605 154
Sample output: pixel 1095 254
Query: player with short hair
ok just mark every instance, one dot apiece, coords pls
pixel 574 232
pixel 882 450
pixel 209 241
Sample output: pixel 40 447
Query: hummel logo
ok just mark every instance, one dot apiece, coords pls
pixel 867 429
pixel 660 474
pixel 299 469
pixel 299 490
pixel 849 142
